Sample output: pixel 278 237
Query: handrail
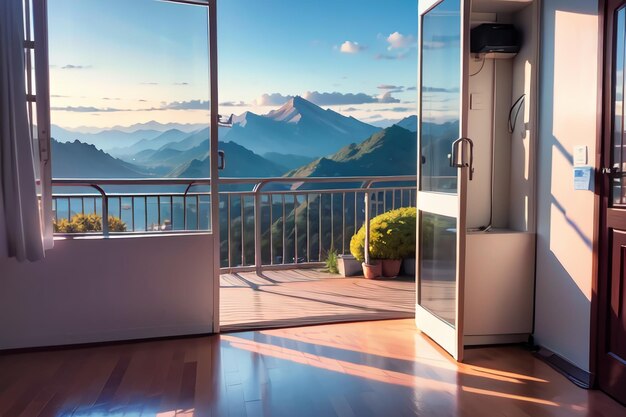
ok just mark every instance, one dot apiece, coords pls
pixel 78 182
pixel 227 180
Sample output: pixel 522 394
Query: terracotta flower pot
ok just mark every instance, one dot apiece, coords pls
pixel 373 270
pixel 391 267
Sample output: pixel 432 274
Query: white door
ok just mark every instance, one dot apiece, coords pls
pixel 443 171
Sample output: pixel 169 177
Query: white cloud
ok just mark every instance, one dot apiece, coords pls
pixel 187 105
pixel 399 41
pixel 232 104
pixel 335 98
pixel 387 98
pixel 87 109
pixel 327 99
pixel 389 87
pixel 274 99
pixel 349 47
pixel 72 67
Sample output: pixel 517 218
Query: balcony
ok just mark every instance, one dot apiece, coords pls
pixel 275 234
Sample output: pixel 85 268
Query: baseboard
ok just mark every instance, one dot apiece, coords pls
pixel 495 339
pixel 572 372
pixel 104 338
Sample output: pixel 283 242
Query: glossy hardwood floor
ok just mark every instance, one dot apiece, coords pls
pixel 382 368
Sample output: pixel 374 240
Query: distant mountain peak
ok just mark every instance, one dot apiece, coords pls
pixel 409 123
pixel 290 112
pixel 298 127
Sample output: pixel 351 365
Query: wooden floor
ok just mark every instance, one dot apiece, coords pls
pixel 382 368
pixel 309 296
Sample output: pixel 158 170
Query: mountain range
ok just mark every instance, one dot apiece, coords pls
pixel 286 141
pixel 106 139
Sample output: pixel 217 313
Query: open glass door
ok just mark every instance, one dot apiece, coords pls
pixel 445 155
pixel 133 114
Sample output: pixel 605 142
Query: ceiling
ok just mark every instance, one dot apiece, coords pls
pixel 499 6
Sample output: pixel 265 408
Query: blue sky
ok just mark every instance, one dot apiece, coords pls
pixel 128 61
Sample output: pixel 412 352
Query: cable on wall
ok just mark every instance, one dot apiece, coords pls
pixel 518 103
pixel 481 66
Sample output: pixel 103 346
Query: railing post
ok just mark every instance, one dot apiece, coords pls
pixel 366 249
pixel 105 215
pixel 258 260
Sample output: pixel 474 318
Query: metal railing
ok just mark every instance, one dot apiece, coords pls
pixel 130 202
pixel 264 222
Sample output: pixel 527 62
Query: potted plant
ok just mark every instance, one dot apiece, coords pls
pixel 348 265
pixel 372 270
pixel 392 238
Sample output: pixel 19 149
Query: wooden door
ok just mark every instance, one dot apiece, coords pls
pixel 612 256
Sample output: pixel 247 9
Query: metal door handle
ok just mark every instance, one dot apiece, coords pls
pixel 453 155
pixel 454 162
pixel 221 159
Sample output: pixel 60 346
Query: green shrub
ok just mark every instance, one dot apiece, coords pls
pixel 331 261
pixel 392 236
pixel 87 223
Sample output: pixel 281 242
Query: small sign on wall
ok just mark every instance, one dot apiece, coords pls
pixel 583 178
pixel 580 156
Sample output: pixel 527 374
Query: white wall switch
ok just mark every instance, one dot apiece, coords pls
pixel 476 101
pixel 580 156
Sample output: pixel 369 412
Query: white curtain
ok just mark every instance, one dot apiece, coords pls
pixel 20 221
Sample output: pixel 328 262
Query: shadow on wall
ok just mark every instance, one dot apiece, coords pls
pixel 564 216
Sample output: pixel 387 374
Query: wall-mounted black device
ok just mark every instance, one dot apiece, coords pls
pixel 495 37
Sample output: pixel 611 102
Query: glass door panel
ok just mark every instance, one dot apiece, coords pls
pixel 438 266
pixel 130 93
pixel 440 100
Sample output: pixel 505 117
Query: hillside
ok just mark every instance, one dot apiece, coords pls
pixel 393 151
pixel 240 162
pixel 289 161
pixel 81 160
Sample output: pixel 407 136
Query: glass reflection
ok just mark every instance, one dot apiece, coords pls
pixel 437 265
pixel 618 107
pixel 440 95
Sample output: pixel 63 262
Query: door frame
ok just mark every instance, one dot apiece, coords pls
pixel 602 239
pixel 437 329
pixel 214 168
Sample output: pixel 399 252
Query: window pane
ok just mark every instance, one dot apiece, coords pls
pixel 440 95
pixel 129 87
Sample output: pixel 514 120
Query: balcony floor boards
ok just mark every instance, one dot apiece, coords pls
pixel 299 297
pixel 378 368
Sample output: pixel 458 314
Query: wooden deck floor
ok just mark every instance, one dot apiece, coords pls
pixel 309 296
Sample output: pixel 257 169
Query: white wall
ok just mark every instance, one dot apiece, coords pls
pixel 93 290
pixel 567 117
